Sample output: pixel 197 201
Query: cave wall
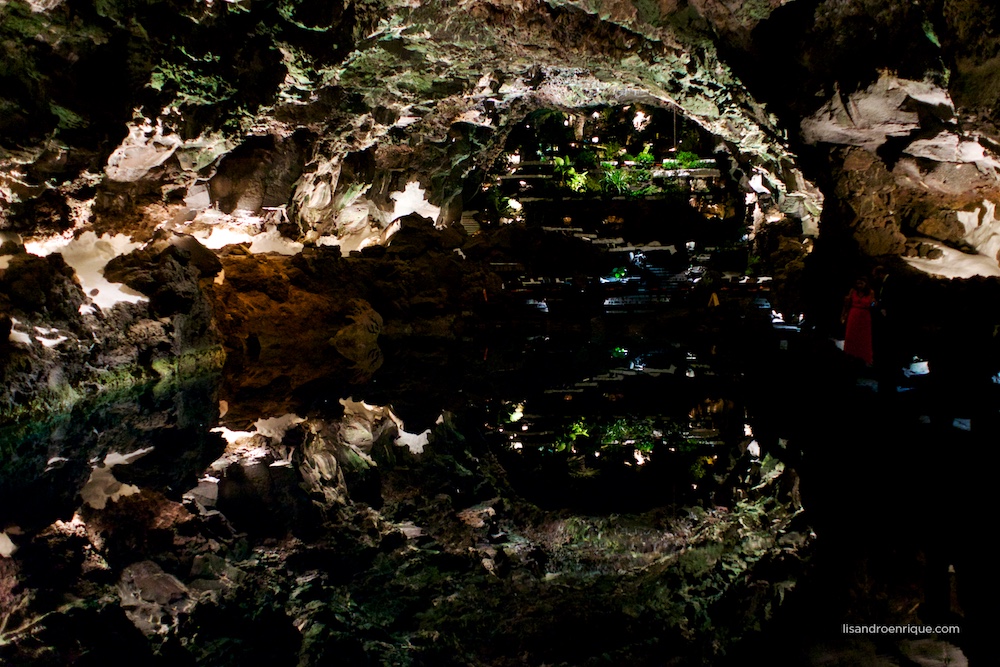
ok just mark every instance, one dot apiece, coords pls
pixel 234 171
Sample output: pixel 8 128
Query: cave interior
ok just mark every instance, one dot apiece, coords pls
pixel 498 333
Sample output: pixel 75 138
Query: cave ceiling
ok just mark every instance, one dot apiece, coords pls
pixel 113 112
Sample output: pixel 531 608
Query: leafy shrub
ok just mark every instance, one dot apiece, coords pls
pixel 615 181
pixel 568 175
pixel 586 158
pixel 687 159
pixel 645 157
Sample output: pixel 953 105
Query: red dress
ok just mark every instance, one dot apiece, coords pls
pixel 858 336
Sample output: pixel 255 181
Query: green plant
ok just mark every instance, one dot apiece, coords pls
pixel 615 181
pixel 645 157
pixel 612 150
pixel 566 440
pixel 687 159
pixel 646 191
pixel 497 205
pixel 639 433
pixel 641 175
pixel 568 176
pixel 577 182
pixel 586 158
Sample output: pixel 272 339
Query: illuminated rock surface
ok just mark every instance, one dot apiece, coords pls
pixel 494 333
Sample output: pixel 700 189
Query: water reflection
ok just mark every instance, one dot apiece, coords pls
pixel 47 464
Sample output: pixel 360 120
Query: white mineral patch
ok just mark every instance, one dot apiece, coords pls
pixel 88 255
pixel 18 336
pixel 415 441
pixel 406 120
pixel 360 408
pixel 269 240
pixel 219 237
pixel 869 116
pixel 276 427
pixel 55 463
pixel 949 147
pixel 116 459
pixel 5 261
pixel 982 229
pixel 359 411
pixel 232 437
pixel 757 184
pixel 7 546
pixel 102 485
pixel 145 147
pixel 413 199
pixel 272 241
pixel 956 264
pixel 51 342
pixel 327 240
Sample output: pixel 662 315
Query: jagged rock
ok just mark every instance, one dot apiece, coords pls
pixel 944 227
pixel 153 600
pixel 327 123
pixel 868 118
pixel 358 341
pixel 43 284
pixel 202 258
pixel 146 147
pixel 260 173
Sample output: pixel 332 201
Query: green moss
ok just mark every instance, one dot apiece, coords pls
pixel 756 10
pixel 67 119
pixel 648 11
pixel 929 32
pixel 190 86
pixel 113 384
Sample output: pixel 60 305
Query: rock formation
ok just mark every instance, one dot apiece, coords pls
pixel 214 215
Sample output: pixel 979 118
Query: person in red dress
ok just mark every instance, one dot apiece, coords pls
pixel 857 315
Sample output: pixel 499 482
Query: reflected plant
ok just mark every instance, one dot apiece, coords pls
pixel 639 433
